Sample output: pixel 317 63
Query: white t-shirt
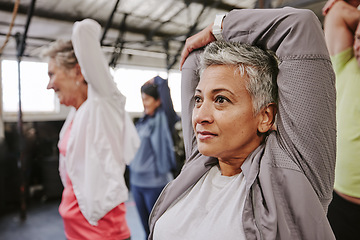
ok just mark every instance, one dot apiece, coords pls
pixel 211 209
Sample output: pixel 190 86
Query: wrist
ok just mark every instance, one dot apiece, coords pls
pixel 217 27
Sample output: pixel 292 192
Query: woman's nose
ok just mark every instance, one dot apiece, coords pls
pixel 50 85
pixel 203 114
pixel 357 46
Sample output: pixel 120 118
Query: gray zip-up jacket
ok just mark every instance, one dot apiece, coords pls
pixel 289 178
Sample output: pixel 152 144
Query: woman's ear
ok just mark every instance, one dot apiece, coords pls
pixel 78 72
pixel 267 118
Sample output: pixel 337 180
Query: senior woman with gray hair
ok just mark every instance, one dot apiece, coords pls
pixel 242 178
pixel 97 140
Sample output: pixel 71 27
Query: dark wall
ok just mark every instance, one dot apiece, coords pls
pixel 40 157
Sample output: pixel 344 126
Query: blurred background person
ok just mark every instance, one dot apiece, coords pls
pixel 154 162
pixel 96 140
pixel 342 34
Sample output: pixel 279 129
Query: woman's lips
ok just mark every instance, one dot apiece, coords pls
pixel 205 135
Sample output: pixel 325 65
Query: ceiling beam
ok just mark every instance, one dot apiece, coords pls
pixel 21 41
pixel 161 24
pixel 109 22
pixel 8 6
pixel 119 43
pixel 191 31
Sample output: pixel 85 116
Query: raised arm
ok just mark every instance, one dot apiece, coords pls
pixel 94 67
pixel 166 102
pixel 189 81
pixel 289 32
pixel 340 25
pixel 306 111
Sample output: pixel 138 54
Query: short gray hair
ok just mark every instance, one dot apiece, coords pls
pixel 259 66
pixel 63 53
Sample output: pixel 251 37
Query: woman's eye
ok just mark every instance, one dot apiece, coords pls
pixel 197 99
pixel 221 99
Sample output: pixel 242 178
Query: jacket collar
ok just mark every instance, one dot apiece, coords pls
pixel 251 165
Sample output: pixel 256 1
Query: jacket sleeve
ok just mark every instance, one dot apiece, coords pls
pixel 166 102
pixel 189 80
pixel 162 144
pixel 94 67
pixel 306 120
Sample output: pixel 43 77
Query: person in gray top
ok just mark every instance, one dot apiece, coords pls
pixel 278 182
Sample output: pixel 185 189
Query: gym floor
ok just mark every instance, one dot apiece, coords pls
pixel 43 222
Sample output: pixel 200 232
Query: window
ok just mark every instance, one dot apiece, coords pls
pixel 34 95
pixel 36 99
pixel 130 80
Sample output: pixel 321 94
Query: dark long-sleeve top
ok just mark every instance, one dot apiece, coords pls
pixel 155 157
pixel 289 178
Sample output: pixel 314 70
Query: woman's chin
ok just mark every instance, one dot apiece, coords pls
pixel 206 151
pixel 67 104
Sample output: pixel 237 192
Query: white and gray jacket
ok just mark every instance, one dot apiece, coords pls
pixel 290 176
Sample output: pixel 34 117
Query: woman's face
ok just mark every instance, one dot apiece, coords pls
pixel 150 104
pixel 223 119
pixel 63 82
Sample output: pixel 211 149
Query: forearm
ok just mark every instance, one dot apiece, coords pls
pixel 85 39
pixel 339 26
pixel 286 31
pixel 189 81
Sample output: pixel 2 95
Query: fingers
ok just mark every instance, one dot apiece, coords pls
pixel 328 5
pixel 326 8
pixel 192 43
pixel 184 54
pixel 199 40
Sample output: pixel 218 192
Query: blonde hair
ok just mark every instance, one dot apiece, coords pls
pixel 63 53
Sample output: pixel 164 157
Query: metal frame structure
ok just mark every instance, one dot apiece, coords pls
pixel 154 33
